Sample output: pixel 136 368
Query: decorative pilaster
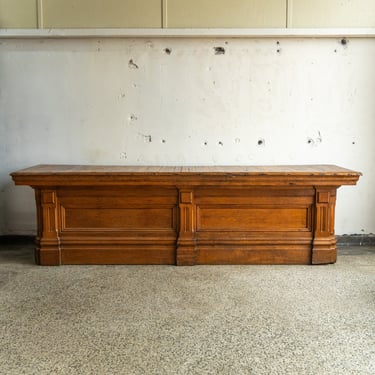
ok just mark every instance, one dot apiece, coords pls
pixel 186 246
pixel 47 241
pixel 324 244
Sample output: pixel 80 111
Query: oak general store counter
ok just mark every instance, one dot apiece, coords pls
pixel 185 215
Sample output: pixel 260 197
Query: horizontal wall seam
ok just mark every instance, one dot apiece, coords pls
pixel 184 33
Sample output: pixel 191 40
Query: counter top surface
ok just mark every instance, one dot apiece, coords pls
pixel 48 169
pixel 63 175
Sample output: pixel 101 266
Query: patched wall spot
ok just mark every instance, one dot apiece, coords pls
pixel 146 138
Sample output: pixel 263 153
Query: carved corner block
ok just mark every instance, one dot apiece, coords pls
pixel 186 243
pixel 324 249
pixel 47 250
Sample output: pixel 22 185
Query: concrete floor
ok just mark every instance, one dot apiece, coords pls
pixel 187 320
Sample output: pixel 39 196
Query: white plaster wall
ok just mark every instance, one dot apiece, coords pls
pixel 131 101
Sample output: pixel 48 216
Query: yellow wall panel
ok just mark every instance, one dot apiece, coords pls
pixel 332 13
pixel 18 14
pixel 226 13
pixel 101 13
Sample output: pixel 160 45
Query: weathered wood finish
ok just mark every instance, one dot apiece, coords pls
pixel 185 215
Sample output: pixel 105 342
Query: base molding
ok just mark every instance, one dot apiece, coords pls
pixel 15 239
pixel 342 240
pixel 356 240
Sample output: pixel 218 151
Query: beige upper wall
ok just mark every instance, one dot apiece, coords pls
pixel 186 13
pixel 18 14
pixel 101 13
pixel 331 13
pixel 224 13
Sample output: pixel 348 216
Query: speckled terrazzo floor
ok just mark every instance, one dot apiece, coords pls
pixel 193 320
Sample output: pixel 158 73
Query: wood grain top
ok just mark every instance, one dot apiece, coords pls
pixel 49 174
pixel 49 169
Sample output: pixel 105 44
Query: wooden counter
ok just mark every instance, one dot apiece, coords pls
pixel 185 215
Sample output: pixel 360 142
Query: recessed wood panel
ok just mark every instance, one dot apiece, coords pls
pixel 225 13
pixel 332 13
pixel 238 218
pixel 135 219
pixel 258 196
pixel 18 14
pixel 101 13
pixel 120 196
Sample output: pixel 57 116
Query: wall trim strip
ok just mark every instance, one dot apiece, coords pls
pixel 184 33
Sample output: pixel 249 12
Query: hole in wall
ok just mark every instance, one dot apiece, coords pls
pixel 261 142
pixel 132 64
pixel 219 50
pixel 168 51
pixel 278 50
pixel 221 143
pixel 315 141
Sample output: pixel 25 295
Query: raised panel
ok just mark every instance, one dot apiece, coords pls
pixel 333 13
pixel 18 14
pixel 121 209
pixel 239 218
pixel 224 13
pixel 101 13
